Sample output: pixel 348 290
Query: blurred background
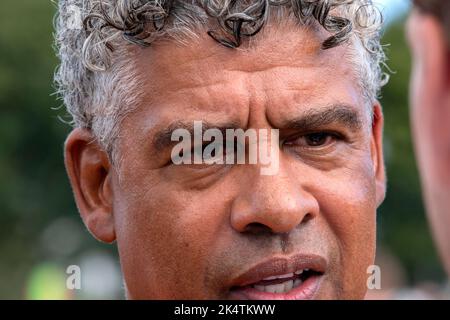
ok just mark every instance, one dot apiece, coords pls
pixel 41 233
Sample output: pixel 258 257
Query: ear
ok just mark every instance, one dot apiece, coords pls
pixel 88 168
pixel 431 54
pixel 377 153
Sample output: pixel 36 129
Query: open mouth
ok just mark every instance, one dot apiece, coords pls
pixel 285 283
pixel 293 279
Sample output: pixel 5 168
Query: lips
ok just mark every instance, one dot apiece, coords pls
pixel 293 278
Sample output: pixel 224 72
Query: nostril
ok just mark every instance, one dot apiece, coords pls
pixel 261 228
pixel 306 218
pixel 257 228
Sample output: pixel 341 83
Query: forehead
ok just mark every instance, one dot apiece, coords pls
pixel 281 65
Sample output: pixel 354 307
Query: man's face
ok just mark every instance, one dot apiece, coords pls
pixel 430 120
pixel 216 231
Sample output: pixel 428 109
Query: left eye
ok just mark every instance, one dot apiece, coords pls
pixel 318 139
pixel 315 140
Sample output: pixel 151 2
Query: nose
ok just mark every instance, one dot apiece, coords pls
pixel 277 204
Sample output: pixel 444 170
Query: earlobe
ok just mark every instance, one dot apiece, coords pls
pixel 88 168
pixel 377 153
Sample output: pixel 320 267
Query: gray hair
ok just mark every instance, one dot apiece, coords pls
pixel 96 70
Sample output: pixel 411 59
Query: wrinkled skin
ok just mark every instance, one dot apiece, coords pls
pixel 187 232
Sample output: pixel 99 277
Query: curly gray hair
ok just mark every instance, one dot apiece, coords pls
pixel 96 62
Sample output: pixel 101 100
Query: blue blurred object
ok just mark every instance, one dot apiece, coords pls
pixel 393 9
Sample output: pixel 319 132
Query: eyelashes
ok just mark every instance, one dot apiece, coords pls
pixel 315 140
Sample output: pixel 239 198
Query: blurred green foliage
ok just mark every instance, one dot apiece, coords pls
pixel 34 190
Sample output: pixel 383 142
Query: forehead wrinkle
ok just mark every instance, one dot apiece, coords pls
pixel 220 65
pixel 264 49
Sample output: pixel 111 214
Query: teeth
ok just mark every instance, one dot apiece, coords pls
pixel 260 288
pixel 271 289
pixel 284 287
pixel 288 285
pixel 289 275
pixel 279 288
pixel 297 282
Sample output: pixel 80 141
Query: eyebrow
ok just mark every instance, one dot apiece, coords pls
pixel 163 139
pixel 311 120
pixel 315 118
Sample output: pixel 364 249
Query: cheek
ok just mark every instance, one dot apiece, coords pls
pixel 348 206
pixel 164 237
